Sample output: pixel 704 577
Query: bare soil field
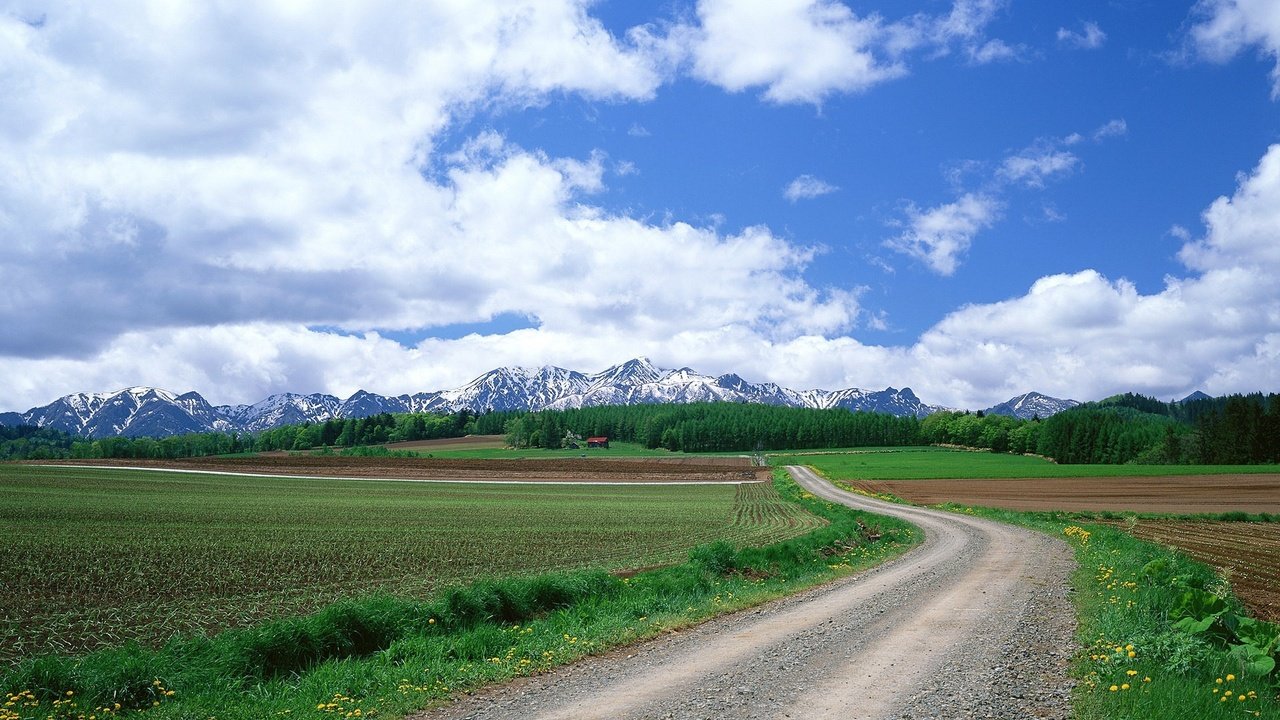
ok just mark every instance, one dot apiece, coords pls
pixel 711 469
pixel 1180 494
pixel 1246 553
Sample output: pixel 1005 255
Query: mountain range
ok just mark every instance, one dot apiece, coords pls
pixel 145 411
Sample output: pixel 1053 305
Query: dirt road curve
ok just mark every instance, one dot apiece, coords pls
pixel 975 622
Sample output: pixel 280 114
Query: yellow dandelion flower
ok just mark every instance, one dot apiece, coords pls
pixel 1230 677
pixel 1114 688
pixel 1131 673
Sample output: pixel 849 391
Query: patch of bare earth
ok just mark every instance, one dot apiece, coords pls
pixel 1176 494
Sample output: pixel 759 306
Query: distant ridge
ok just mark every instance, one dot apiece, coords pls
pixel 143 411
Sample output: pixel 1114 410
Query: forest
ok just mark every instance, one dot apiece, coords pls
pixel 1235 429
pixel 1229 430
pixel 716 427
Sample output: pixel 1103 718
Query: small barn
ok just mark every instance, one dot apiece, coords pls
pixel 598 442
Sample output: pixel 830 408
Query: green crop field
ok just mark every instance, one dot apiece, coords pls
pixel 98 557
pixel 928 463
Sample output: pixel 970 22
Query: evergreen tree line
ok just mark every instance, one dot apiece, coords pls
pixel 711 427
pixel 1229 430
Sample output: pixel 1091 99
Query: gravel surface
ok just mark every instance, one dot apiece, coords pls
pixel 975 623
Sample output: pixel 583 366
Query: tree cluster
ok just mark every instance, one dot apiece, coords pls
pixel 1228 430
pixel 998 433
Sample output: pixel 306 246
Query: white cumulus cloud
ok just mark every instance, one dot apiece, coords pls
pixel 803 51
pixel 1087 336
pixel 1227 27
pixel 799 50
pixel 940 235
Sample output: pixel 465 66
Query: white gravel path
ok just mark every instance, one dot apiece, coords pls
pixel 976 622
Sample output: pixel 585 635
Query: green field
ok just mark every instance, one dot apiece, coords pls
pixel 931 463
pixel 99 557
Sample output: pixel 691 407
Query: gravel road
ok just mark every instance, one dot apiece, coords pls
pixel 974 623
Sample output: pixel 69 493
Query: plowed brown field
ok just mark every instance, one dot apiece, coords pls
pixel 711 469
pixel 1172 494
pixel 1246 553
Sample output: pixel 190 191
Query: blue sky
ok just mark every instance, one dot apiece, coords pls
pixel 974 198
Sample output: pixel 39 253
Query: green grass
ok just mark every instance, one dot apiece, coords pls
pixel 389 656
pixel 941 463
pixel 97 557
pixel 1124 607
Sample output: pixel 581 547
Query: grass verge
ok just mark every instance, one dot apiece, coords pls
pixel 383 656
pixel 1139 658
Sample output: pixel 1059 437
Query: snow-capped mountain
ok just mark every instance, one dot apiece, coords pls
pixel 1031 405
pixel 515 389
pixel 147 411
pixel 132 412
pixel 282 409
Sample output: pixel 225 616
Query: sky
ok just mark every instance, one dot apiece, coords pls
pixel 971 198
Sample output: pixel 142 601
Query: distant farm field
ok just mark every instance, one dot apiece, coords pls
pixel 674 468
pixel 929 476
pixel 1246 553
pixel 1178 494
pixel 926 463
pixel 97 557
